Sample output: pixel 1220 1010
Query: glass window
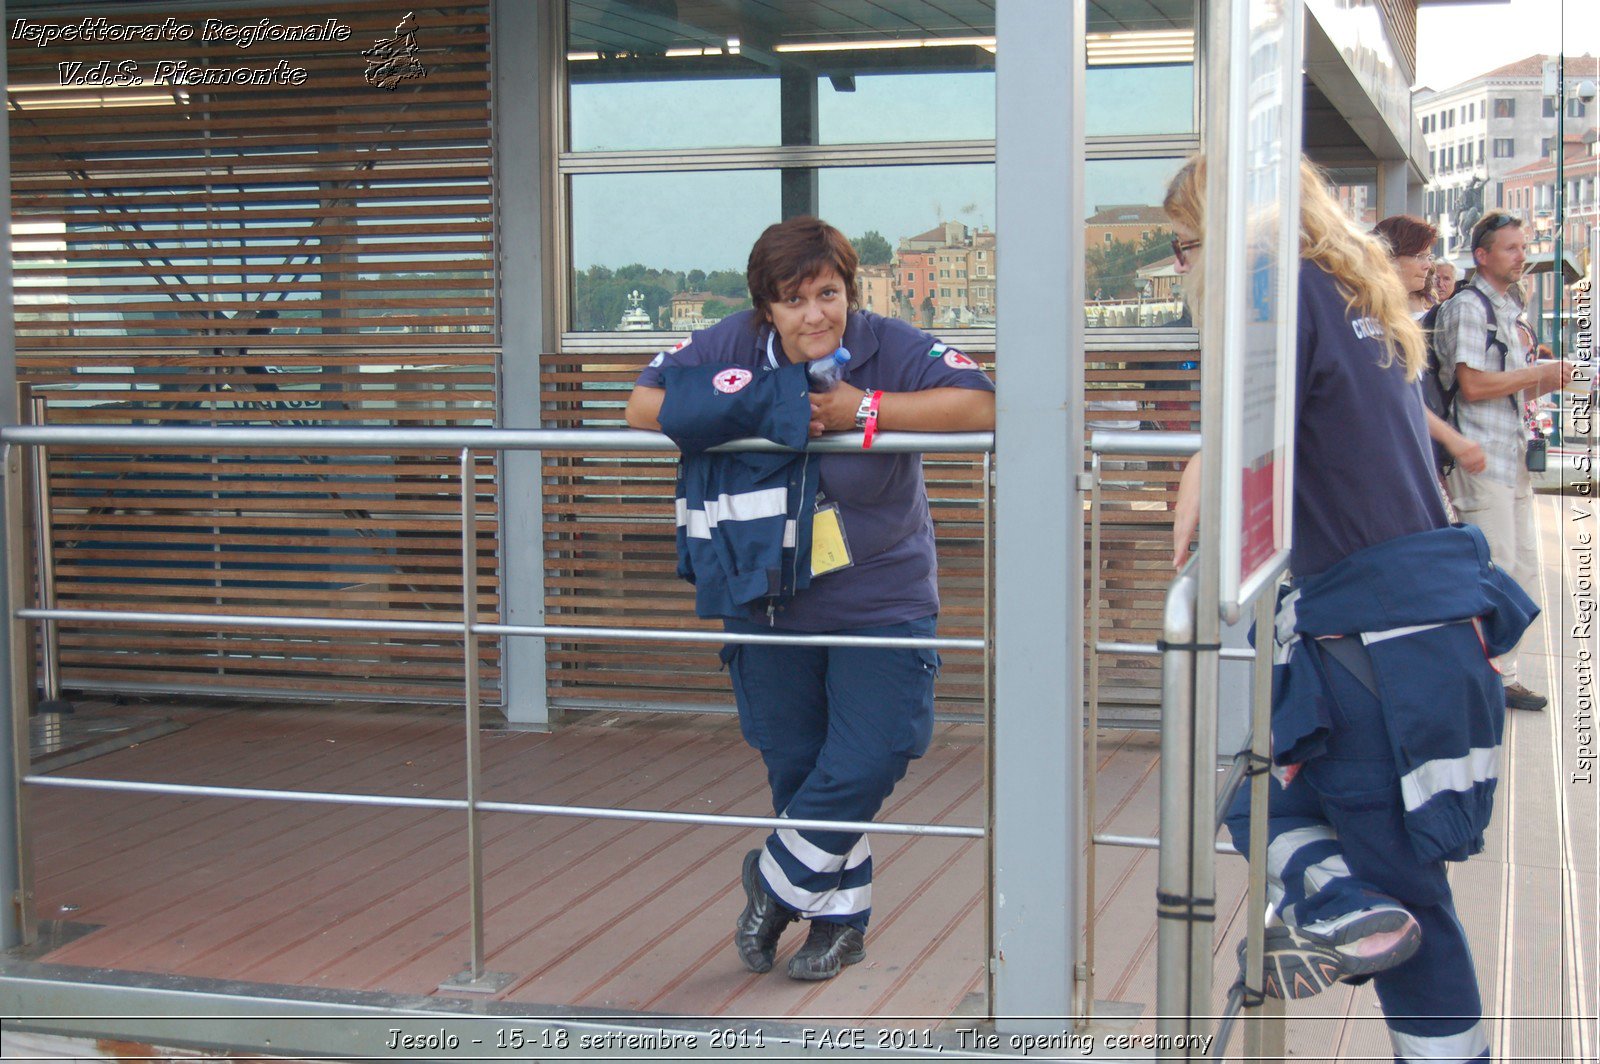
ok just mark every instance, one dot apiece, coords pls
pixel 1549 110
pixel 1356 189
pixel 911 207
pixel 774 72
pixel 1505 107
pixel 701 113
pixel 1140 69
pixel 646 75
pixel 624 241
pixel 1504 147
pixel 1130 273
pixel 910 102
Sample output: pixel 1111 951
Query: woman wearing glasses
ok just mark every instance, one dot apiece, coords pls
pixel 1410 243
pixel 1387 714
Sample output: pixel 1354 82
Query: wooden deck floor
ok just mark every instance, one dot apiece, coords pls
pixel 627 916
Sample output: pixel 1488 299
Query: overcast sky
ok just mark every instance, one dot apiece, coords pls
pixel 1456 42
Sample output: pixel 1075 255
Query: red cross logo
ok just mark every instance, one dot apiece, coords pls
pixel 730 381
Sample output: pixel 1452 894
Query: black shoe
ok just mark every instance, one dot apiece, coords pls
pixel 763 920
pixel 829 947
pixel 1519 697
pixel 1304 963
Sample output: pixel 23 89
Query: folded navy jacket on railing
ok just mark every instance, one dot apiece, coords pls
pixel 743 519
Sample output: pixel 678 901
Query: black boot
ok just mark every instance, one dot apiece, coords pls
pixel 763 920
pixel 829 947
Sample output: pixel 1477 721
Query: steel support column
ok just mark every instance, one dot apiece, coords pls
pixel 527 60
pixel 1396 195
pixel 1038 733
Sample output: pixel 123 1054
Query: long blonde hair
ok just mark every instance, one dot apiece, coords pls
pixel 1359 263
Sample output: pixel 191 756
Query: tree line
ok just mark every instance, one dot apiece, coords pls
pixel 600 293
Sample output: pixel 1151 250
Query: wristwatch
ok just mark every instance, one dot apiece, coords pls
pixel 864 410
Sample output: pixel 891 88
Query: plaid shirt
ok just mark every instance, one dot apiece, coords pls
pixel 1498 425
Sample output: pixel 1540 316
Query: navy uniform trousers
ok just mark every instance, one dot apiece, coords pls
pixel 836 727
pixel 1337 844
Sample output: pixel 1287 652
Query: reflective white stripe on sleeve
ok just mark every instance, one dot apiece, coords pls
pixel 693 521
pixel 1287 617
pixel 748 506
pixel 1395 633
pixel 1449 774
pixel 1471 1044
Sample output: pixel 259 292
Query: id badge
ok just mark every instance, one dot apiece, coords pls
pixel 830 551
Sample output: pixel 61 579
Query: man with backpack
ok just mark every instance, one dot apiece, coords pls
pixel 1487 373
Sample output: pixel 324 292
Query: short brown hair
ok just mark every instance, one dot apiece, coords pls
pixel 1492 223
pixel 792 252
pixel 1406 234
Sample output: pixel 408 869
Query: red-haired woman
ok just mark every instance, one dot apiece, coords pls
pixel 837 726
pixel 1410 243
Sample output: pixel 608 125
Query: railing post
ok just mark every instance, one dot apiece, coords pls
pixel 1091 767
pixel 17 925
pixel 474 979
pixel 988 732
pixel 45 562
pixel 16 885
pixel 1185 892
pixel 1263 1037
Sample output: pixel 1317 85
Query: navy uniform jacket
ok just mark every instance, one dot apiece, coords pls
pixel 744 519
pixel 1431 609
pixel 881 497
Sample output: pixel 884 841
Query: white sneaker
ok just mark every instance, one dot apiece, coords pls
pixel 1300 963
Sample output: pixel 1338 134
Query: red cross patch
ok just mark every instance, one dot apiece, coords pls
pixel 731 380
pixel 956 360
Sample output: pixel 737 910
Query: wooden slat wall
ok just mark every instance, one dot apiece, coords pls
pixel 270 532
pixel 1136 519
pixel 170 215
pixel 610 550
pixel 610 556
pixel 314 255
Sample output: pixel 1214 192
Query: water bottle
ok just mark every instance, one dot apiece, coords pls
pixel 826 373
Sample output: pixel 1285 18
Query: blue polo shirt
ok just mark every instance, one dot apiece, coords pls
pixel 1363 464
pixel 883 502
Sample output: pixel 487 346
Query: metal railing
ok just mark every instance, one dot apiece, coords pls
pixel 1188 836
pixel 385 440
pixel 1191 804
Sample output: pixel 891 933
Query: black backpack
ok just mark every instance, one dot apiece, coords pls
pixel 1438 398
